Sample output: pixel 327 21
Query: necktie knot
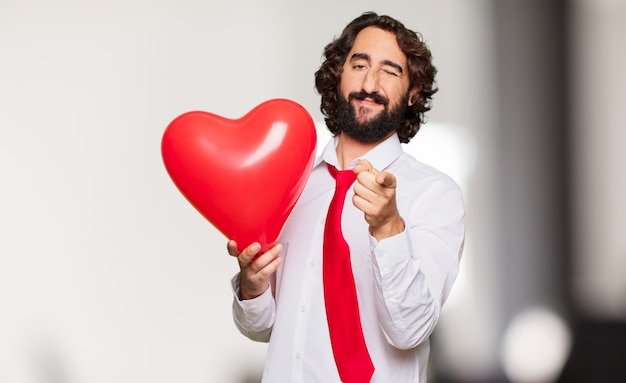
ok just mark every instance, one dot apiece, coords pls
pixel 344 178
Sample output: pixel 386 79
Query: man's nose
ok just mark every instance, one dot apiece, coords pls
pixel 370 81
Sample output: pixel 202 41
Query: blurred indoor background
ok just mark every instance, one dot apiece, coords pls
pixel 107 274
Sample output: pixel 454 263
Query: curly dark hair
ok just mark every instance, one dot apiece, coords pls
pixel 419 60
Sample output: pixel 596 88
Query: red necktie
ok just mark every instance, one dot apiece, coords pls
pixel 342 308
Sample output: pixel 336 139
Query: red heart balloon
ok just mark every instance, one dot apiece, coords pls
pixel 243 175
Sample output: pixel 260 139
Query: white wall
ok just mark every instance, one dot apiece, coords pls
pixel 106 273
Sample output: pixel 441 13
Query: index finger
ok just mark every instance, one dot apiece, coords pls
pixel 248 254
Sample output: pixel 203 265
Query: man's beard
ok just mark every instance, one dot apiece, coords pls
pixel 377 128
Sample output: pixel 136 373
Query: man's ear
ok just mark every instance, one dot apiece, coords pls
pixel 413 94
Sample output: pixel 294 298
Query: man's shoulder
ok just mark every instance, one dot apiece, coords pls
pixel 409 168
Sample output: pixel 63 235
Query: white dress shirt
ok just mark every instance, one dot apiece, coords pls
pixel 401 281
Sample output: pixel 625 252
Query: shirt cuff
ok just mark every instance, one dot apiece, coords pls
pixel 391 251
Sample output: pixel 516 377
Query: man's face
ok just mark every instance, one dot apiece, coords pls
pixel 374 86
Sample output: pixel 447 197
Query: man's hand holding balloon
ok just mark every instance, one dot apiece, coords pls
pixel 256 268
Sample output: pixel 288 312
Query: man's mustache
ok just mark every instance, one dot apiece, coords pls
pixel 362 95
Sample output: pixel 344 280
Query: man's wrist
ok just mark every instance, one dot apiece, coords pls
pixel 394 227
pixel 245 295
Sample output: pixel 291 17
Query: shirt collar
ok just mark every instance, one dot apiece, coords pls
pixel 381 156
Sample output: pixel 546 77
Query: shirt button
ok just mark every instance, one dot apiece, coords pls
pixel 380 254
pixel 302 309
pixel 311 264
pixel 297 355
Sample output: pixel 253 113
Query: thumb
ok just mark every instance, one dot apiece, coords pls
pixel 386 179
pixel 364 166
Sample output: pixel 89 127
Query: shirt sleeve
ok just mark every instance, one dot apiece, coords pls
pixel 254 318
pixel 414 270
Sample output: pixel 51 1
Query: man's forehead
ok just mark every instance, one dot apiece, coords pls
pixel 377 45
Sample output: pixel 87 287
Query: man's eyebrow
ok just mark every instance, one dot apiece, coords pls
pixel 365 56
pixel 360 56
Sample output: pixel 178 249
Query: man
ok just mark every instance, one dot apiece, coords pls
pixel 402 220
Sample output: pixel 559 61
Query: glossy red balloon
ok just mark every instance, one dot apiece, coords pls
pixel 243 175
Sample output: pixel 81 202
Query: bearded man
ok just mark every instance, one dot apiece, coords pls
pixel 355 285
